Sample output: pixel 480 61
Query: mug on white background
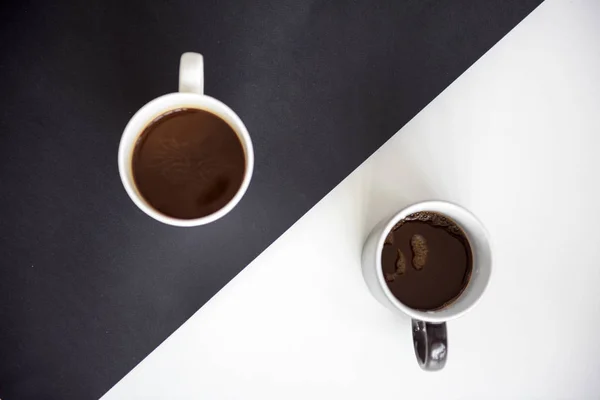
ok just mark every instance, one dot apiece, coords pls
pixel 429 327
pixel 190 95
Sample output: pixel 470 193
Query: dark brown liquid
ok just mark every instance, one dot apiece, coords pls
pixel 188 163
pixel 426 261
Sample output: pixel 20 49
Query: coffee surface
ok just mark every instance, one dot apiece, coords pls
pixel 426 261
pixel 188 163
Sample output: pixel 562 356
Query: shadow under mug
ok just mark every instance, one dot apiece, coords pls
pixel 430 336
pixel 190 95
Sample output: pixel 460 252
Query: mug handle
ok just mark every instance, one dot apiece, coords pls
pixel 431 344
pixel 191 73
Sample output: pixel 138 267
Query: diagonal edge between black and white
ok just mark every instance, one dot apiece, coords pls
pixel 89 285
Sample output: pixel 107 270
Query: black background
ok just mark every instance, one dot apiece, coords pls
pixel 89 285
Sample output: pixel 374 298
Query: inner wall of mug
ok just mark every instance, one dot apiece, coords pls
pixel 154 109
pixel 480 275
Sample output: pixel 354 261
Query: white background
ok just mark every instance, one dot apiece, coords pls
pixel 516 139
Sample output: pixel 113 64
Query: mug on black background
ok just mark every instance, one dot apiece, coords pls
pixel 190 96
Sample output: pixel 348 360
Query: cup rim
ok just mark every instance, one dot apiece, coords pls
pixel 431 206
pixel 159 106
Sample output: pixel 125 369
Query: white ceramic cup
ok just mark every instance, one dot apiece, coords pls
pixel 190 95
pixel 429 327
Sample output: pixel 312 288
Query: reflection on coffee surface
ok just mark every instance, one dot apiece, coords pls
pixel 188 163
pixel 426 261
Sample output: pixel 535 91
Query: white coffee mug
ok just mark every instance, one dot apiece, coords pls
pixel 429 327
pixel 191 95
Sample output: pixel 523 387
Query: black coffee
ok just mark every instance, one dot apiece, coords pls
pixel 188 163
pixel 427 261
